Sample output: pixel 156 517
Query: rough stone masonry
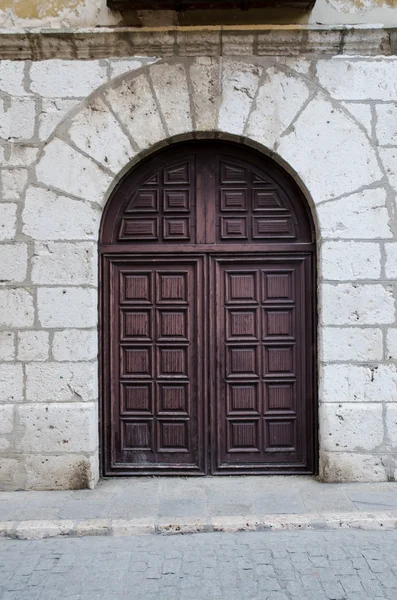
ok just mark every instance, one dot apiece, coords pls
pixel 70 128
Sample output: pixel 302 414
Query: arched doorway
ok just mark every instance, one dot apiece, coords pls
pixel 208 317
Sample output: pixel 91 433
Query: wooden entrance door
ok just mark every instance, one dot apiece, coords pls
pixel 207 317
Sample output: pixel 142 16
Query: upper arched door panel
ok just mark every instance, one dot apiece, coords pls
pixel 208 192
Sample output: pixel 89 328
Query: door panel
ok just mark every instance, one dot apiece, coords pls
pixel 156 323
pixel 263 362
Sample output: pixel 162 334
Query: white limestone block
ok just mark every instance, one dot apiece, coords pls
pixel 132 101
pixel 11 383
pixel 12 76
pixel 33 345
pixel 389 159
pixel 391 344
pixel 351 343
pixel 6 425
pixel 66 78
pixel 391 260
pixel 362 215
pixel 279 99
pixel 70 427
pixel 205 78
pixel 18 155
pixel 7 346
pixel 240 83
pixel 391 424
pixel 344 159
pixel 386 126
pixel 355 304
pixel 13 183
pixel 356 383
pixel 53 111
pixel 66 169
pixel 350 260
pixel 7 221
pixel 170 85
pixel 61 382
pixel 358 80
pixel 95 131
pixel 75 345
pixel 351 427
pixel 119 66
pixel 17 118
pixel 16 308
pixel 362 113
pixel 60 472
pixel 70 263
pixel 347 466
pixel 13 262
pixel 67 307
pixel 50 216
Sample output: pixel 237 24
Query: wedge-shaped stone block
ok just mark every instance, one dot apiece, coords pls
pixel 67 170
pixel 205 78
pixel 170 85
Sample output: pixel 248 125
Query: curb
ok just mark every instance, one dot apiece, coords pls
pixel 42 529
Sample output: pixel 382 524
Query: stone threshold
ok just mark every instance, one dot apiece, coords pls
pixel 42 529
pixel 227 40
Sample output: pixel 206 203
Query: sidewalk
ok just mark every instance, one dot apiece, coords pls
pixel 188 505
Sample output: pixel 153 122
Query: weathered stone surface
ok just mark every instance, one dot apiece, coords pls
pixel 64 263
pixel 386 126
pixel 346 304
pixel 66 382
pixel 132 101
pixel 66 78
pixel 82 178
pixel 121 66
pixel 240 83
pixel 67 307
pixel 12 74
pixel 13 262
pixel 354 383
pixel 362 215
pixel 348 162
pixel 389 159
pixel 11 383
pixel 344 466
pixel 18 155
pixel 53 110
pixel 8 221
pixel 391 344
pixel 16 308
pixel 279 99
pixel 205 78
pixel 351 344
pixel 358 80
pixel 361 112
pixel 13 183
pixel 350 260
pixel 95 131
pixel 391 424
pixel 60 472
pixel 6 426
pixel 17 118
pixel 391 260
pixel 170 85
pixel 49 216
pixel 351 427
pixel 11 474
pixel 7 345
pixel 75 345
pixel 55 428
pixel 33 345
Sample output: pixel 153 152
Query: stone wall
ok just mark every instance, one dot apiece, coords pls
pixel 70 129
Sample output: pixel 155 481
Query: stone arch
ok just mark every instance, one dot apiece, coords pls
pixel 274 107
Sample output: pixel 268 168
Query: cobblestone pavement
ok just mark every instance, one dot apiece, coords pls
pixel 337 565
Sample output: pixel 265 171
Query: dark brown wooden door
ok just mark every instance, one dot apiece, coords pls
pixel 207 317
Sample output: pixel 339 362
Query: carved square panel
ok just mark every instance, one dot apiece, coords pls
pixel 233 200
pixel 272 227
pixel 172 287
pixel 173 362
pixel 242 361
pixel 173 397
pixel 243 436
pixel 242 397
pixel 241 287
pixel 278 286
pixel 172 324
pixel 137 397
pixel 176 229
pixel 144 201
pixel 177 174
pixel 278 323
pixel 173 436
pixel 279 396
pixel 137 435
pixel 136 362
pixel 280 435
pixel 267 200
pixel 135 287
pixel 279 360
pixel 176 200
pixel 136 325
pixel 233 228
pixel 232 173
pixel 139 229
pixel 241 324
